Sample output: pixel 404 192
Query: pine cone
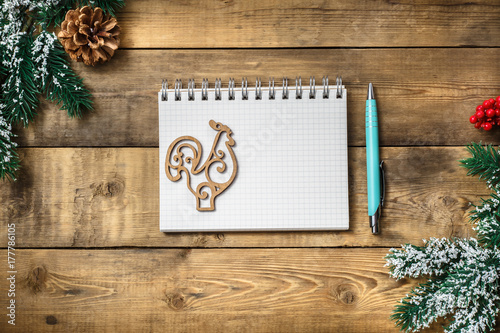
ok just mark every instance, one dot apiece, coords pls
pixel 89 36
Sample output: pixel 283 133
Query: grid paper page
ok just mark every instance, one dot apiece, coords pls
pixel 291 162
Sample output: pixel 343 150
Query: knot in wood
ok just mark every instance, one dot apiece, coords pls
pixel 36 279
pixel 449 201
pixel 347 294
pixel 176 301
pixel 51 320
pixel 110 189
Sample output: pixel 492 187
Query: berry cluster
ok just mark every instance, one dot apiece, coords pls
pixel 487 114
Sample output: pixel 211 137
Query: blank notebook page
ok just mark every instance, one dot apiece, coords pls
pixel 291 160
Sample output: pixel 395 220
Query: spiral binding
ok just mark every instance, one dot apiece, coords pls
pixel 177 89
pixel 191 89
pixel 244 89
pixel 285 88
pixel 218 85
pixel 204 90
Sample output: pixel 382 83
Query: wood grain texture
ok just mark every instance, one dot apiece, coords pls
pixel 316 23
pixel 428 74
pixel 425 96
pixel 217 290
pixel 105 197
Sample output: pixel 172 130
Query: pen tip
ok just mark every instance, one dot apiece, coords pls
pixel 370 91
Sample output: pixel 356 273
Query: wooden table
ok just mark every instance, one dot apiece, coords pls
pixel 89 254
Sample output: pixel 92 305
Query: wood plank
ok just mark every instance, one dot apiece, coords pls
pixel 315 23
pixel 184 290
pixel 425 96
pixel 106 197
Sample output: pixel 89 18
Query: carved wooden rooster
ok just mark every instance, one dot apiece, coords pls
pixel 208 189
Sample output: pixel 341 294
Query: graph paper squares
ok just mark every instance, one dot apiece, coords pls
pixel 292 162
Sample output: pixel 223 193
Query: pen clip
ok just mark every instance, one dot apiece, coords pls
pixel 382 183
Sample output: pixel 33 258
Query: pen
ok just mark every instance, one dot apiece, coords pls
pixel 374 169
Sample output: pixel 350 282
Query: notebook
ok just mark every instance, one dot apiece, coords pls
pixel 253 158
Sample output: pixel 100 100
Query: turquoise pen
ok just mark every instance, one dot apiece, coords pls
pixel 374 169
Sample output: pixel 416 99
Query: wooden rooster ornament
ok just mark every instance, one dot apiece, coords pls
pixel 207 189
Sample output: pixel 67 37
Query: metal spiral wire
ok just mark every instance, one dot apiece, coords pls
pixel 271 89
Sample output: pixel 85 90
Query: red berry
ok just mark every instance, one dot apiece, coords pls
pixel 486 103
pixel 497 105
pixel 480 114
pixel 478 124
pixel 492 101
pixel 473 119
pixel 497 112
pixel 480 108
pixel 498 99
pixel 490 113
pixel 487 126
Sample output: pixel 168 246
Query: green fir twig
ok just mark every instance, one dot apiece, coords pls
pixel 485 162
pixel 109 7
pixel 463 284
pixel 9 160
pixel 54 14
pixel 33 62
pixel 56 78
pixel 19 89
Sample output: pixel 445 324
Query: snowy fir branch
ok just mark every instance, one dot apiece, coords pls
pixel 433 259
pixel 110 7
pixel 19 90
pixel 463 275
pixel 484 162
pixel 33 62
pixel 54 12
pixel 56 78
pixel 9 161
pixel 485 218
pixel 467 290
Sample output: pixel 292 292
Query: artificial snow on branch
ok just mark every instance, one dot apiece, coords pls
pixel 9 161
pixel 463 283
pixel 33 62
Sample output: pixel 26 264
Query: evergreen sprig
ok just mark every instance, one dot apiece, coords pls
pixel 463 274
pixel 485 218
pixel 485 162
pixel 54 14
pixel 410 314
pixel 9 160
pixel 110 7
pixel 19 89
pixel 33 62
pixel 56 79
pixel 467 290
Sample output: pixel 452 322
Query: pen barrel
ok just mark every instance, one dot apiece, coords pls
pixel 372 157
